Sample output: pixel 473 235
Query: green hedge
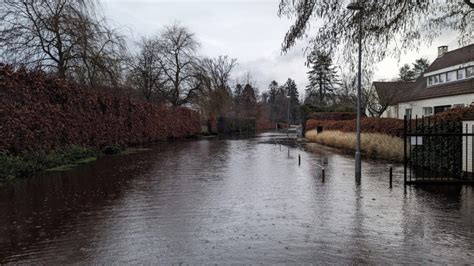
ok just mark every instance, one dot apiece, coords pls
pixel 226 125
pixel 440 154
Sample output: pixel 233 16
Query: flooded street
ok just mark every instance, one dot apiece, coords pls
pixel 232 201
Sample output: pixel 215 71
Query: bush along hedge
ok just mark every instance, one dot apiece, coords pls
pixel 227 126
pixel 24 164
pixel 46 122
pixel 40 112
pixel 389 126
pixel 332 116
pixel 438 154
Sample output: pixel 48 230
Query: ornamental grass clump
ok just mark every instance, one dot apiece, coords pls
pixel 373 145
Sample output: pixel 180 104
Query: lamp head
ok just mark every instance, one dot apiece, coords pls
pixel 356 5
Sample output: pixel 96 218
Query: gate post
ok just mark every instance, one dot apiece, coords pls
pixel 405 150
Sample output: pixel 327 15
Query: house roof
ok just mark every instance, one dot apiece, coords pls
pixel 452 58
pixel 448 89
pixel 393 92
pixel 402 91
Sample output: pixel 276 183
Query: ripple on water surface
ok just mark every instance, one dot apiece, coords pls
pixel 239 200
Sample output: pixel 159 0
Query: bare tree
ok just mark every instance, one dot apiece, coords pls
pixel 177 59
pixel 62 36
pixel 146 73
pixel 215 94
pixel 377 104
pixel 219 70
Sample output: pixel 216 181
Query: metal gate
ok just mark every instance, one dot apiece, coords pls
pixel 438 151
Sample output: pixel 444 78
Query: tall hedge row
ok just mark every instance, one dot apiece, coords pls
pixel 389 126
pixel 332 116
pixel 40 112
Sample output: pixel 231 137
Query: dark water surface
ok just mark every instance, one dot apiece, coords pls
pixel 229 201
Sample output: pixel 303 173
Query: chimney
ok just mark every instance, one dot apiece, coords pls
pixel 442 50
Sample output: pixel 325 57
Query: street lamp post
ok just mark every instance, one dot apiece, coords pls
pixel 358 166
pixel 289 105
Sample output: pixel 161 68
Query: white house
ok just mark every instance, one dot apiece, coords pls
pixel 447 83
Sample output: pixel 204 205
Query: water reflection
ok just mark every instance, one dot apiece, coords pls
pixel 239 200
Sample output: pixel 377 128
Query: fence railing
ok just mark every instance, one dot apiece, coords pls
pixel 437 151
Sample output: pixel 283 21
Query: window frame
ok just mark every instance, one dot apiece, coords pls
pixel 444 78
pixel 427 108
pixel 471 73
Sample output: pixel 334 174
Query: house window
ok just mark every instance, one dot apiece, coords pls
pixel 469 72
pixel 435 79
pixel 430 81
pixel 427 111
pixel 461 73
pixel 441 108
pixel 451 76
pixel 408 112
pixel 442 78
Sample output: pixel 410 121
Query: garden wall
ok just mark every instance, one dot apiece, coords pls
pixel 40 112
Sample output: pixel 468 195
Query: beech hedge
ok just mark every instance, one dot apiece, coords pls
pixel 389 126
pixel 42 112
pixel 332 116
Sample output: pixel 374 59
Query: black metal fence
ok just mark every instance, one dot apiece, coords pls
pixel 437 151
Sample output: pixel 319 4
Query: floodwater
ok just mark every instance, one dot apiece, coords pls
pixel 232 201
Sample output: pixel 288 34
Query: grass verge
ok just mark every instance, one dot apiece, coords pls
pixel 14 166
pixel 373 145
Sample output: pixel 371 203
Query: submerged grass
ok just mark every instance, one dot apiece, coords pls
pixel 14 166
pixel 71 166
pixel 22 165
pixel 373 145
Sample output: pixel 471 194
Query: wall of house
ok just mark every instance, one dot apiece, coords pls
pixel 398 111
pixel 390 112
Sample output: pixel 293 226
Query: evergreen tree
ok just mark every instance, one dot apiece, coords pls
pixel 237 99
pixel 322 76
pixel 420 66
pixel 272 100
pixel 292 91
pixel 406 73
pixel 248 101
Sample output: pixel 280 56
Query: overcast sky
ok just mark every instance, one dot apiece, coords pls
pixel 248 30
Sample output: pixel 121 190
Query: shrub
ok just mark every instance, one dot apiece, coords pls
pixel 112 149
pixel 22 165
pixel 41 112
pixel 226 125
pixel 389 126
pixel 332 116
pixel 440 154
